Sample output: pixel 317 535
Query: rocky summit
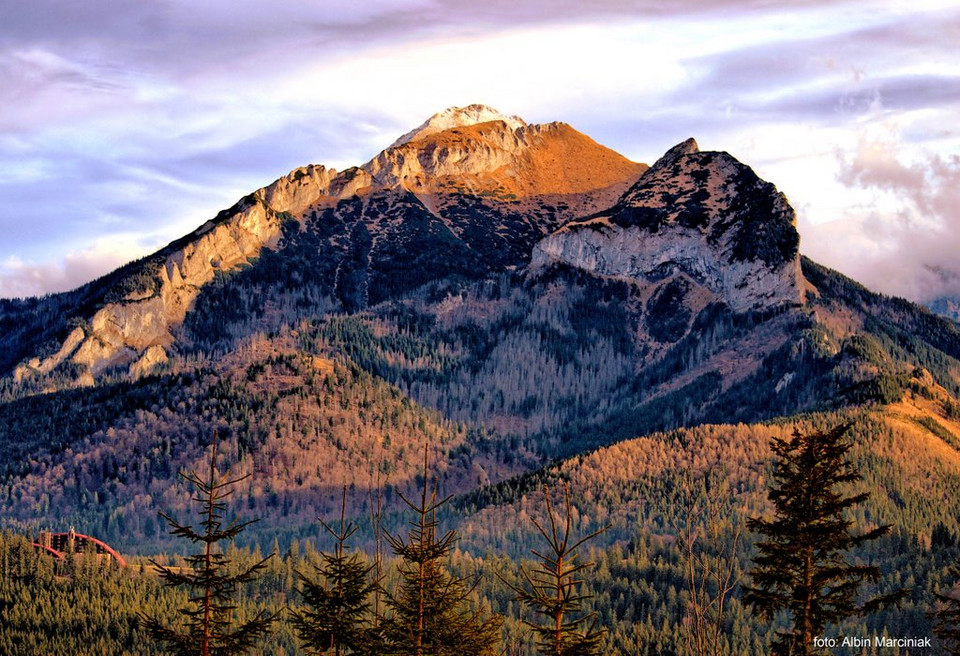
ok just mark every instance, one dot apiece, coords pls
pixel 491 295
pixel 488 236
pixel 704 217
pixel 470 188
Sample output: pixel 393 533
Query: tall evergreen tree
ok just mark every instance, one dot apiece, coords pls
pixel 802 564
pixel 553 590
pixel 431 616
pixel 334 618
pixel 208 629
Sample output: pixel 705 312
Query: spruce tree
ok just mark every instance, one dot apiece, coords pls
pixel 430 613
pixel 209 629
pixel 334 618
pixel 553 590
pixel 802 565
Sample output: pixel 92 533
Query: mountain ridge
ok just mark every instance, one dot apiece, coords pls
pixel 379 320
pixel 704 214
pixel 482 160
pixel 634 339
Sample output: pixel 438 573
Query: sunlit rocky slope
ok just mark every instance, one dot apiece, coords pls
pixel 503 293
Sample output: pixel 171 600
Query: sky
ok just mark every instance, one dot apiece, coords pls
pixel 124 125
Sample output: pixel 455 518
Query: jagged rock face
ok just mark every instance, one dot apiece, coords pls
pixel 702 215
pixel 458 117
pixel 468 192
pixel 137 328
pixel 465 196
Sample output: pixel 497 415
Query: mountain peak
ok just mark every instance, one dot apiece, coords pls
pixel 688 147
pixel 702 215
pixel 454 117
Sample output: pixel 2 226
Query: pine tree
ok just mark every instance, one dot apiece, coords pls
pixel 208 629
pixel 430 614
pixel 802 566
pixel 553 590
pixel 334 619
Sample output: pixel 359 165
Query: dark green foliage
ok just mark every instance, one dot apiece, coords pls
pixel 693 213
pixel 334 615
pixel 649 218
pixel 867 348
pixel 209 628
pixel 765 227
pixel 46 425
pixel 907 332
pixel 676 408
pixel 947 616
pixel 667 317
pixel 554 590
pixel 430 614
pixel 511 242
pixel 711 541
pixel 802 565
pixel 46 432
pixel 48 606
pixel 139 281
pixel 638 588
pixel 425 251
pixel 885 388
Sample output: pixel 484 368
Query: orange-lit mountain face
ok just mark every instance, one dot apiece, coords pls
pixel 476 195
pixel 477 150
pixel 483 153
pixel 506 293
pixel 493 159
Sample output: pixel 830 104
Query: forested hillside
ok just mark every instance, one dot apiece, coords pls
pixel 528 311
pixel 655 492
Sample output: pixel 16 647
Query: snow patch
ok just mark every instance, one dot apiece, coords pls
pixel 456 117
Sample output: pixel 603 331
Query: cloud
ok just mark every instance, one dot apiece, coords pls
pixel 147 118
pixel 905 238
pixel 19 278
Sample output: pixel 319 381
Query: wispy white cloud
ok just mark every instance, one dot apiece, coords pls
pixel 901 237
pixel 22 278
pixel 148 117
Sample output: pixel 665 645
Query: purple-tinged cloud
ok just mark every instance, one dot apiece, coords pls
pixel 905 241
pixel 146 118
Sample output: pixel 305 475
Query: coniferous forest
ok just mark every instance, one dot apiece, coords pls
pixel 662 569
pixel 412 423
pixel 673 517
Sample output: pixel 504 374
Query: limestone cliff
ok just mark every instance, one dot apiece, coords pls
pixel 505 166
pixel 702 215
pixel 135 329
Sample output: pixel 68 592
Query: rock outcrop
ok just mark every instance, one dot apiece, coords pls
pixel 703 215
pixel 475 151
pixel 458 117
pixel 137 328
